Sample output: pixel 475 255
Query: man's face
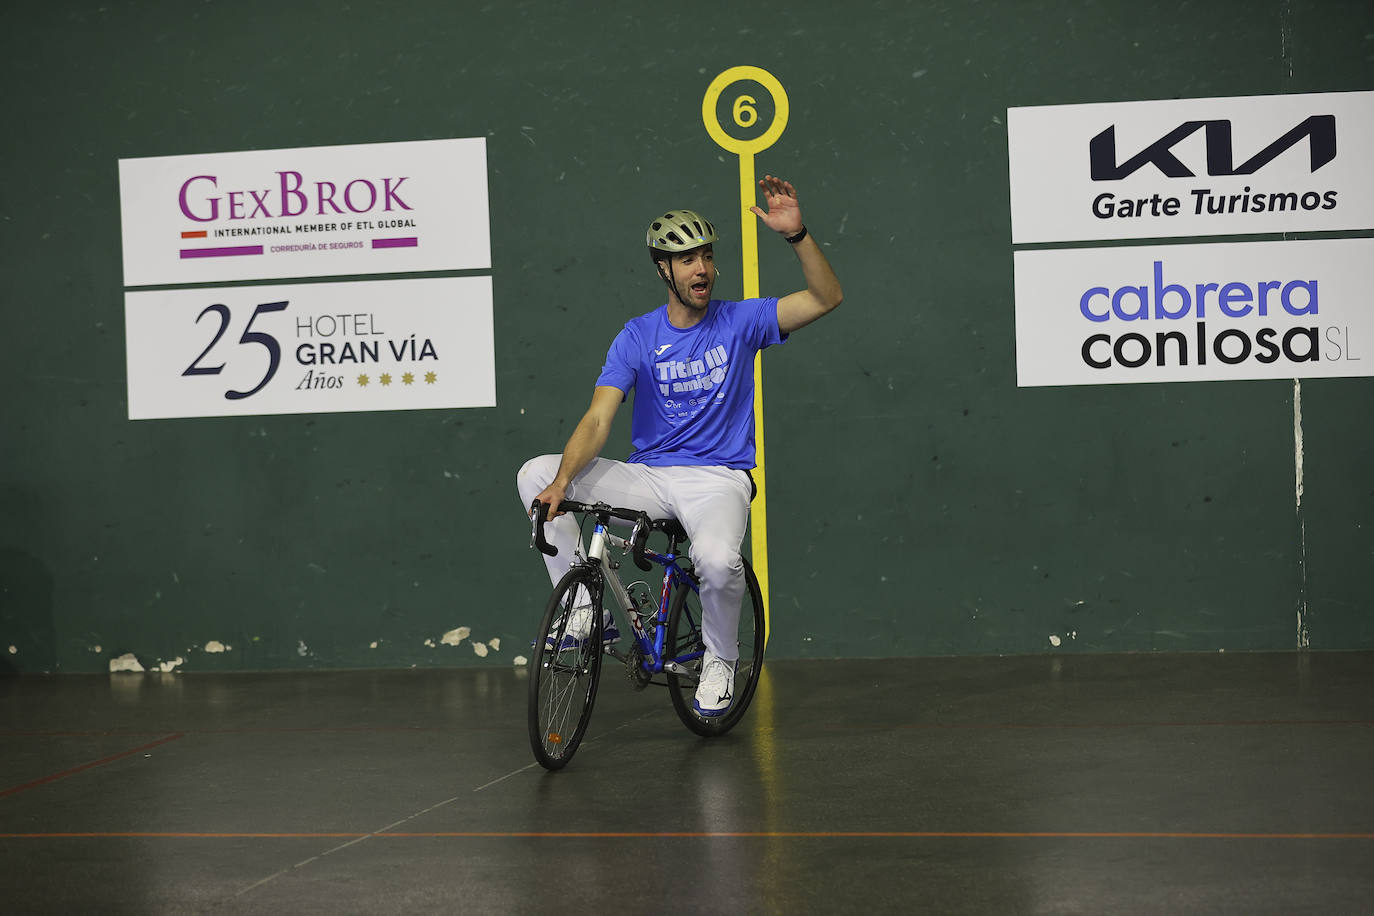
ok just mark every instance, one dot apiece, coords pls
pixel 692 275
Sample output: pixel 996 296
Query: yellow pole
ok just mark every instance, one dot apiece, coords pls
pixel 745 116
pixel 749 248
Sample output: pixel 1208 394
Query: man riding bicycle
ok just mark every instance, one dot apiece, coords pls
pixel 690 364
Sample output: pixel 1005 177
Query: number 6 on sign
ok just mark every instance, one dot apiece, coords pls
pixel 745 113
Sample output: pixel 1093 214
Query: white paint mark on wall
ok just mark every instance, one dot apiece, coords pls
pixel 520 661
pixel 430 643
pixel 1304 636
pixel 214 647
pixel 14 650
pixel 479 650
pixel 169 666
pixel 495 644
pixel 301 648
pixel 1286 37
pixel 1297 441
pixel 373 645
pixel 1055 640
pixel 95 649
pixel 126 662
pixel 455 636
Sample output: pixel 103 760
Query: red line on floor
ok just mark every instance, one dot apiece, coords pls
pixel 1242 723
pixel 87 766
pixel 765 835
pixel 896 834
pixel 319 729
pixel 172 835
pixel 260 730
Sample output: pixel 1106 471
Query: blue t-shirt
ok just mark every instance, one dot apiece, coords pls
pixel 694 387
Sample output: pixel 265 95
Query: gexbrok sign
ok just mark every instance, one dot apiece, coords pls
pixel 1192 167
pixel 313 212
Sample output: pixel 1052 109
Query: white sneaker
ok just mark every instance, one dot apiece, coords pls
pixel 716 690
pixel 580 624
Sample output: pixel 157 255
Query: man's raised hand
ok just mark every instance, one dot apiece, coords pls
pixel 784 212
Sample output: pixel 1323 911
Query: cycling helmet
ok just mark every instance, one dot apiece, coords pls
pixel 677 231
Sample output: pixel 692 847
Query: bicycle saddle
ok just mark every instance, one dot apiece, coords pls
pixel 671 527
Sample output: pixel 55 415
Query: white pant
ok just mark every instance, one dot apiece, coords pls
pixel 711 503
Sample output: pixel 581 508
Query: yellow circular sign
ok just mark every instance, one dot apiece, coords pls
pixel 744 111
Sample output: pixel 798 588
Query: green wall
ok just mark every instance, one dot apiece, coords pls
pixel 919 503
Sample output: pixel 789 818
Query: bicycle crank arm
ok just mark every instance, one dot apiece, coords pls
pixel 679 670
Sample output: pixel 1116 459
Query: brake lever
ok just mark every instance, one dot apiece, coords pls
pixel 539 512
pixel 638 538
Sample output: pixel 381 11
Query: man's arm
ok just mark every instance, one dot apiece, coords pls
pixel 823 293
pixel 584 444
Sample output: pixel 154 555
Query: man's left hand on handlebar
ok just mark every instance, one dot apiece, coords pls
pixel 552 495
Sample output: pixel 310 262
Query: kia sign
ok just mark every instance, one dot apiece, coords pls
pixel 1192 167
pixel 1178 313
pixel 323 211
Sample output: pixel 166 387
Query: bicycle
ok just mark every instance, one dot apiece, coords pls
pixel 667 634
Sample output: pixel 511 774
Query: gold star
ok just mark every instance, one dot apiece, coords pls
pixel 431 378
pixel 385 379
pixel 362 380
pixel 408 378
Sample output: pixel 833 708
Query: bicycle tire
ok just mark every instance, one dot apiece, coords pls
pixel 685 640
pixel 563 680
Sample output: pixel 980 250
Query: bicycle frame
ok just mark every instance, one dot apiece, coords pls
pixel 652 648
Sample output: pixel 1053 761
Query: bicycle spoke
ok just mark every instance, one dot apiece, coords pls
pixel 566 682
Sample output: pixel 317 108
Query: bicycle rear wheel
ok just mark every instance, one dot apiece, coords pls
pixel 565 671
pixel 685 646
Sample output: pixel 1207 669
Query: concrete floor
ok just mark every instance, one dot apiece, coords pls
pixel 1067 784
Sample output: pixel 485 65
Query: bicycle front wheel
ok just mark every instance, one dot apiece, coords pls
pixel 686 646
pixel 566 670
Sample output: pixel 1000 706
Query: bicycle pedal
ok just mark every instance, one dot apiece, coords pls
pixel 687 674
